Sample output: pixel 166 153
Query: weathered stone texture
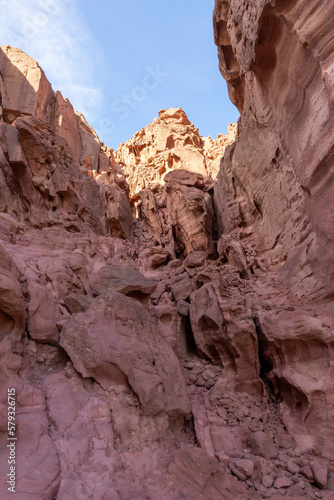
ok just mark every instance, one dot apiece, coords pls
pixel 168 332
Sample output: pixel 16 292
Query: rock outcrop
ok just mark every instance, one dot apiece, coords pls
pixel 168 331
pixel 47 152
pixel 274 192
pixel 170 142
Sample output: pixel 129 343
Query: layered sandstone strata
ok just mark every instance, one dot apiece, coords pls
pixel 275 191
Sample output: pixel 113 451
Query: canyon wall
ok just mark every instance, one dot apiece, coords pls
pixel 277 59
pixel 166 314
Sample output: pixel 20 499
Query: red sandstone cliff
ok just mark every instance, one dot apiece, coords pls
pixel 277 58
pixel 169 335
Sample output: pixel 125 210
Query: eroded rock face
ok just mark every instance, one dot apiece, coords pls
pixel 23 86
pixel 169 336
pixel 12 311
pixel 114 342
pixel 226 335
pixel 122 279
pixel 167 144
pixel 190 214
pixel 275 189
pixel 47 153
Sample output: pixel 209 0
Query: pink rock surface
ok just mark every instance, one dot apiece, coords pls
pixel 274 191
pixel 168 335
pixel 114 342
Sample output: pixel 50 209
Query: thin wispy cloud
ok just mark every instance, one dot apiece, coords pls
pixel 55 34
pixel 119 62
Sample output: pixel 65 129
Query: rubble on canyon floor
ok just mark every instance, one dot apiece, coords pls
pixel 169 335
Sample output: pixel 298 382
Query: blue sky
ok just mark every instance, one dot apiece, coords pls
pixel 119 62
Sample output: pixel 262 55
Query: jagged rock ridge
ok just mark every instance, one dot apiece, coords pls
pixel 168 143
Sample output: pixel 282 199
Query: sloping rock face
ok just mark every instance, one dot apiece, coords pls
pixel 47 152
pixel 274 194
pixel 167 335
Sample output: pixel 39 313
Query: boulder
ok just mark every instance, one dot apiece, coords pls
pixel 115 342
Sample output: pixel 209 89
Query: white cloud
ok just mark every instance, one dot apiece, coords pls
pixel 55 34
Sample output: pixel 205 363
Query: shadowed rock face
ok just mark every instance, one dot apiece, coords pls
pixel 170 335
pixel 275 190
